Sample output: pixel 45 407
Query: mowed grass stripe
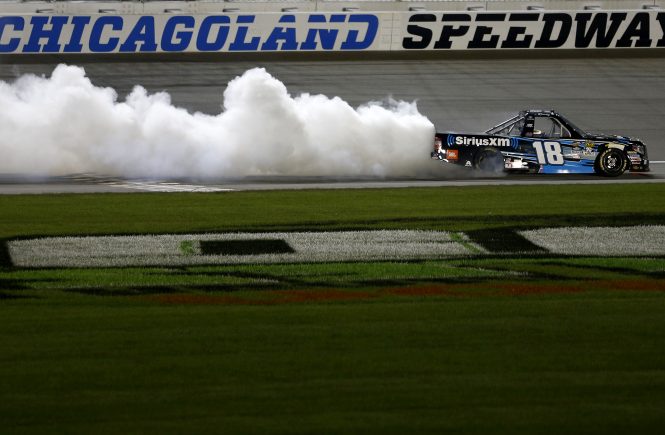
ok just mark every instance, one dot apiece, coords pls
pixel 525 344
pixel 237 248
pixel 605 241
pixel 447 208
pixel 298 247
pixel 528 365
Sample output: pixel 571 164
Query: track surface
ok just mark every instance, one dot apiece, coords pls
pixel 610 95
pixel 94 184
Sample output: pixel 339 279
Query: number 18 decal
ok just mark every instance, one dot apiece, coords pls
pixel 548 153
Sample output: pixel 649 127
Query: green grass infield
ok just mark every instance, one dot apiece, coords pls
pixel 509 337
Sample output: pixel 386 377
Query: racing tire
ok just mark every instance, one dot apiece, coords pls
pixel 489 160
pixel 611 162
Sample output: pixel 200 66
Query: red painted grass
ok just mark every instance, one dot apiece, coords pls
pixel 471 290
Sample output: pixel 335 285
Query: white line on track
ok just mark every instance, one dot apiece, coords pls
pixel 91 183
pixel 147 186
pixel 167 187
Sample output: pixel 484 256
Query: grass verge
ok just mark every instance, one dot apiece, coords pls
pixel 528 343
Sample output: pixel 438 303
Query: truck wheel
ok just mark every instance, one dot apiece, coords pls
pixel 611 162
pixel 489 160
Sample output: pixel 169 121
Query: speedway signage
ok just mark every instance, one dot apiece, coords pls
pixel 307 32
pixel 164 33
pixel 548 30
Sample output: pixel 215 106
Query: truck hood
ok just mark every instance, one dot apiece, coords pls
pixel 612 138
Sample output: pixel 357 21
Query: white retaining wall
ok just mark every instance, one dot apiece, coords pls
pixel 228 6
pixel 223 27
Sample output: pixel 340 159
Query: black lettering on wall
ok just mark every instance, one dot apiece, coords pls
pixel 597 29
pixel 448 32
pixel 424 34
pixel 517 37
pixel 479 37
pixel 555 22
pixel 639 29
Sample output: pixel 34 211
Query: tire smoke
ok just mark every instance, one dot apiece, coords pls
pixel 64 125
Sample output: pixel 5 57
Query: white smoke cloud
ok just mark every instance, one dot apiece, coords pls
pixel 64 124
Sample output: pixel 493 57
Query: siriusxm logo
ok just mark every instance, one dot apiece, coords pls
pixel 186 33
pixel 481 141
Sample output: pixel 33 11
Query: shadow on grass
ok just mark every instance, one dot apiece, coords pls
pixel 5 257
pixel 283 285
pixel 503 240
pixel 12 284
pixel 462 223
pixel 12 288
pixel 124 291
pixel 12 296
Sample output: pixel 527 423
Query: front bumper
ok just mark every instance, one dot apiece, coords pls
pixel 638 162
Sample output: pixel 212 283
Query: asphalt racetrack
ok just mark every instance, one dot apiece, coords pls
pixel 624 95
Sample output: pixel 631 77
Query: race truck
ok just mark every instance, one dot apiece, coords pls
pixel 542 142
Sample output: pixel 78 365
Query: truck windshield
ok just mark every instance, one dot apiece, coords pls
pixel 572 126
